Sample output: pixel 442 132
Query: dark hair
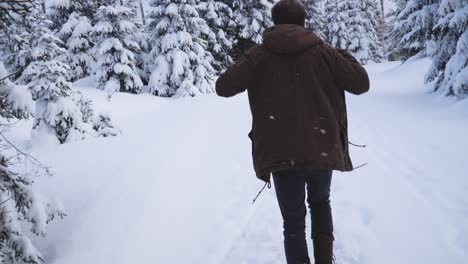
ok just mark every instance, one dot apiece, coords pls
pixel 288 12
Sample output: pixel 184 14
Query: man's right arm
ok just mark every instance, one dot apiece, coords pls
pixel 349 74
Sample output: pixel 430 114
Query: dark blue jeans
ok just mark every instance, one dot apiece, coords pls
pixel 290 186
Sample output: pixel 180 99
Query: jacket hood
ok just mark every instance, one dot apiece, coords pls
pixel 288 39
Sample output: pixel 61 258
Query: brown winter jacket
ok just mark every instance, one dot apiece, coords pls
pixel 296 86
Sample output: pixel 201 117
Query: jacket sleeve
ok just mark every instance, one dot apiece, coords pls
pixel 349 73
pixel 235 79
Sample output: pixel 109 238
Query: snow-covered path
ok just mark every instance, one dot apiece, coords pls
pixel 177 186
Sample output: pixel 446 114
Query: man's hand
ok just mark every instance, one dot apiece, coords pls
pixel 235 79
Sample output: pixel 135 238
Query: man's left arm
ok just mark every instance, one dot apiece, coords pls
pixel 235 79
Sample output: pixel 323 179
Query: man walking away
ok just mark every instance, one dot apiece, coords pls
pixel 296 85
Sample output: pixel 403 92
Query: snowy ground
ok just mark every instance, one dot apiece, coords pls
pixel 177 186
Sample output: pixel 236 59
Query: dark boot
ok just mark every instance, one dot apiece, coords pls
pixel 323 249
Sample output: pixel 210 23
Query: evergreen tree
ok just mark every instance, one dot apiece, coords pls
pixel 15 100
pixel 143 39
pixel 143 58
pixel 117 45
pixel 363 37
pixel 85 105
pixel 182 62
pixel 104 127
pixel 413 27
pixel 219 17
pixel 18 201
pixel 352 25
pixel 253 17
pixel 315 16
pixel 60 11
pixel 46 77
pixel 336 29
pixel 11 10
pixel 449 70
pixel 15 40
pixel 76 34
pixel 140 35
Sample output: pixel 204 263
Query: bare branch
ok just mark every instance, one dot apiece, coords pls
pixel 10 75
pixel 35 161
pixel 6 201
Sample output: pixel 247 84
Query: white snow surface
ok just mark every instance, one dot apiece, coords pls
pixel 177 185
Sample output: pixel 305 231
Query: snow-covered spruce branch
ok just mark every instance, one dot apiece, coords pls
pixel 20 203
pixel 10 7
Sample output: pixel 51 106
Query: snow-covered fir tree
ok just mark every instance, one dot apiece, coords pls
pixel 117 45
pixel 315 16
pixel 449 50
pixel 143 39
pixel 13 9
pixel 219 17
pixel 140 36
pixel 413 27
pixel 352 25
pixel 104 127
pixel 182 62
pixel 19 203
pixel 60 11
pixel 143 58
pixel 336 27
pixel 85 105
pixel 16 40
pixel 252 18
pixel 363 37
pixel 15 100
pixel 76 34
pixel 46 77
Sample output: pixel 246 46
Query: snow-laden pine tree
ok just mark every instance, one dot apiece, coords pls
pixel 336 27
pixel 19 203
pixel 76 34
pixel 413 27
pixel 219 17
pixel 182 63
pixel 143 58
pixel 315 16
pixel 352 25
pixel 16 40
pixel 104 127
pixel 46 77
pixel 362 24
pixel 15 100
pixel 60 11
pixel 11 9
pixel 140 36
pixel 449 70
pixel 252 18
pixel 116 41
pixel 85 105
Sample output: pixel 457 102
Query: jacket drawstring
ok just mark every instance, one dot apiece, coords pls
pixel 359 146
pixel 360 166
pixel 356 145
pixel 268 183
